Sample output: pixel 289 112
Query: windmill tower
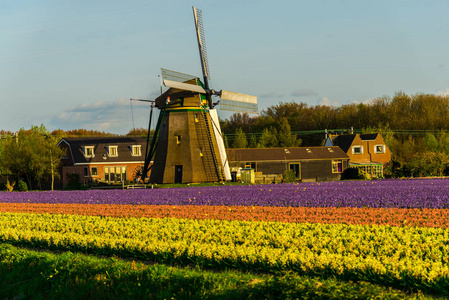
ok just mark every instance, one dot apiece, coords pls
pixel 187 145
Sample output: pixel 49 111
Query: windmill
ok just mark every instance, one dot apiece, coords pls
pixel 187 145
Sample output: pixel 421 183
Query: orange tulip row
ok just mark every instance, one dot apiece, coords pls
pixel 326 215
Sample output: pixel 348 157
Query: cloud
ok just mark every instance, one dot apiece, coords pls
pixel 271 95
pixel 116 116
pixel 443 93
pixel 327 102
pixel 304 93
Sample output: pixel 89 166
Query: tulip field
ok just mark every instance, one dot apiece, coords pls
pixel 315 240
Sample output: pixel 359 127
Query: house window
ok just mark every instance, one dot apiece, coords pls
pixel 379 149
pixel 135 150
pixel 373 170
pixel 178 139
pixel 251 165
pixel 94 171
pixel 357 149
pixel 296 169
pixel 86 171
pixel 112 150
pixel 114 174
pixel 89 151
pixel 196 117
pixel 337 166
pixel 201 152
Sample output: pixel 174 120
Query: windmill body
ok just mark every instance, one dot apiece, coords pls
pixel 187 148
pixel 187 145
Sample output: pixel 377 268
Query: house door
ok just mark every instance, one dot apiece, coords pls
pixel 296 168
pixel 178 174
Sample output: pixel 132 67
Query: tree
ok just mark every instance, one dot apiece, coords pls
pixel 138 131
pixel 79 132
pixel 5 171
pixel 225 141
pixel 443 142
pixel 285 136
pixel 236 121
pixel 252 141
pixel 269 138
pixel 31 155
pixel 240 139
pixel 430 142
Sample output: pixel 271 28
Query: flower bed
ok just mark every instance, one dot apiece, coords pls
pixel 394 233
pixel 327 215
pixel 410 193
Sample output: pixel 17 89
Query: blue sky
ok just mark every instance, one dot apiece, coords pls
pixel 76 64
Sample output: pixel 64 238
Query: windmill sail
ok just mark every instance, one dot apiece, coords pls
pixel 181 81
pixel 184 86
pixel 198 16
pixel 220 143
pixel 238 102
pixel 201 41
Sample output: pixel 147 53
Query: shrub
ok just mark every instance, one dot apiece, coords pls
pixel 288 176
pixel 23 187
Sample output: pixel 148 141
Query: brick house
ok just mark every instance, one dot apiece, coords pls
pixel 102 159
pixel 307 163
pixel 367 152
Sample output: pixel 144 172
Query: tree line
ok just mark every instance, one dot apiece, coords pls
pixel 425 112
pixel 415 128
pixel 29 159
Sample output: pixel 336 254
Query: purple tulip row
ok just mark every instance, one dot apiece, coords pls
pixel 406 193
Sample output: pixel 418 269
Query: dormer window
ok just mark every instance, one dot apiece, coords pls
pixel 88 151
pixel 379 149
pixel 308 150
pixel 135 150
pixel 330 149
pixel 112 150
pixel 286 151
pixel 357 149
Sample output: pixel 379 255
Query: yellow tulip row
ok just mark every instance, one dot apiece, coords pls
pixel 407 256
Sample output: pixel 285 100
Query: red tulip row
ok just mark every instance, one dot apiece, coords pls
pixel 326 215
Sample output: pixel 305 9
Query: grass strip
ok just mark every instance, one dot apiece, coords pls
pixel 26 273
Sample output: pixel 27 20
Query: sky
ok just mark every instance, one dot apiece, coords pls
pixel 75 64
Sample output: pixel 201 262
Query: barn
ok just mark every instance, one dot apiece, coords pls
pixel 306 163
